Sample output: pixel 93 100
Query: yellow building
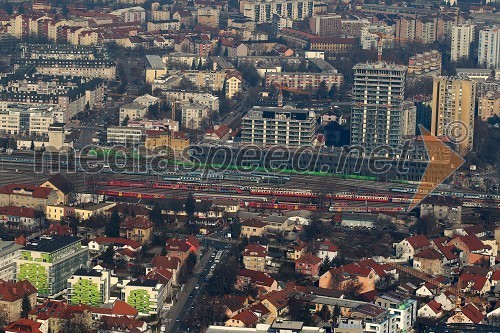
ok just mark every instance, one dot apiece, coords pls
pixel 83 212
pixel 155 67
pixel 252 227
pixel 27 196
pixel 453 103
pixel 178 141
pixel 254 257
pixel 489 105
pixel 61 186
pixel 11 298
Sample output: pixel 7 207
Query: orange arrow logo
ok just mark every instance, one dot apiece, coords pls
pixel 443 161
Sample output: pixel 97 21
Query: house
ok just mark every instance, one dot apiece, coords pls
pixel 122 324
pixel 231 305
pixel 23 325
pixel 219 133
pixel 254 257
pixel 171 264
pixel 11 297
pixel 429 261
pixel 119 308
pixel 475 284
pixel 245 318
pixel 407 248
pixel 125 210
pixel 100 244
pixel 61 186
pixel 276 302
pixel 138 228
pixel 297 250
pixel 53 315
pixel 468 314
pixel 308 265
pixel 446 299
pixel 260 280
pixel 451 254
pixel 426 290
pixel 445 209
pixel 252 227
pixel 21 195
pixel 327 250
pixel 22 218
pixel 181 248
pixel 432 310
pixel 473 249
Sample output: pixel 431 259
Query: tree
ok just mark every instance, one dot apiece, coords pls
pixel 64 10
pixel 325 313
pixel 191 261
pixel 426 224
pixel 335 280
pixel 108 256
pixel 325 266
pixel 322 90
pixel 298 310
pixel 20 9
pixel 156 216
pixel 112 228
pixel 7 6
pixel 224 278
pixel 333 91
pixel 25 306
pixel 125 120
pixel 200 65
pixel 235 228
pixel 352 289
pixel 249 73
pixel 189 206
pixel 32 146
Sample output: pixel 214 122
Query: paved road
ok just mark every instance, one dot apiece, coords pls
pixel 181 307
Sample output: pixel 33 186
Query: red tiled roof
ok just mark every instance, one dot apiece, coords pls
pixel 473 313
pixel 18 211
pixel 24 325
pixel 430 254
pixel 257 278
pixel 138 222
pixel 123 324
pixel 118 241
pixel 308 259
pixel 52 309
pixel 247 317
pixel 170 263
pixel 254 250
pixel 58 229
pixel 496 276
pixel 10 292
pixel 473 243
pixel 328 246
pixel 449 251
pixel 36 191
pixel 259 309
pixel 435 306
pixel 476 282
pixel 161 274
pixel 253 223
pixel 418 241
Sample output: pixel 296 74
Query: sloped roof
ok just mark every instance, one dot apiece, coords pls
pixel 247 317
pixel 430 254
pixel 473 313
pixel 18 211
pixel 118 241
pixel 35 191
pixel 256 277
pixel 418 241
pixel 10 291
pixel 308 259
pixel 24 325
pixel 166 262
pixel 435 306
pixel 254 250
pixel 61 183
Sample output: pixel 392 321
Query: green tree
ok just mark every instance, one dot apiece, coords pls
pixel 224 278
pixel 112 228
pixel 7 6
pixel 189 205
pixel 325 266
pixel 333 91
pixel 108 256
pixel 191 261
pixel 25 306
pixel 20 9
pixel 32 146
pixel 155 215
pixel 125 120
pixel 235 228
pixel 322 90
pixel 298 310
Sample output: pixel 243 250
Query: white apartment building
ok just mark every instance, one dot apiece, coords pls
pixel 369 40
pixel 262 11
pixel 22 119
pixel 131 14
pixel 461 37
pixel 127 136
pixel 489 47
pixel 9 252
pixel 89 287
pixel 193 114
pixel 203 98
pixel 133 111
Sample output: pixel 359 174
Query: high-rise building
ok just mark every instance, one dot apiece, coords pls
pixel 453 101
pixel 285 126
pixel 90 287
pixel 262 11
pixel 47 262
pixel 377 96
pixel 489 47
pixel 461 37
pixel 326 25
pixel 489 105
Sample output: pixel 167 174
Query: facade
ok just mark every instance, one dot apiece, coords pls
pixel 177 141
pixel 203 98
pixel 145 295
pixel 192 115
pixel 208 17
pixel 252 227
pixel 11 298
pixel 378 94
pixel 22 218
pixel 489 105
pixel 402 307
pixel 9 252
pixel 285 126
pixel 308 265
pixel 326 25
pixel 453 104
pixel 254 257
pixel 489 47
pixel 27 196
pixel 445 209
pixel 61 186
pixel 23 119
pixel 132 111
pixel 138 228
pixel 461 38
pixel 89 287
pixel 425 64
pixel 303 81
pixel 155 67
pixel 369 36
pixel 47 262
pixel 262 12
pixel 126 136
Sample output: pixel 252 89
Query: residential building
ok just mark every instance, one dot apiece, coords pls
pixel 145 295
pixel 47 262
pixel 489 48
pixel 127 136
pixel 11 298
pixel 181 248
pixel 429 261
pixel 203 98
pixel 327 250
pixel 193 114
pixel 332 45
pixel 278 326
pixel 262 12
pixel 402 307
pixel 303 81
pixel 453 105
pixel 353 27
pixel 131 14
pixel 308 265
pixel 54 315
pixel 378 93
pixel 489 105
pixel 252 227
pixel 208 17
pixel 408 247
pixel 260 280
pixel 132 111
pixel 21 195
pixel 326 25
pixel 444 209
pixel 61 186
pixel 468 314
pixel 370 36
pixel 285 126
pixel 462 36
pixel 425 64
pixel 138 228
pixel 89 286
pixel 254 257
pixel 155 67
pixel 177 141
pixel 368 318
pixel 23 325
pixel 9 252
pixel 432 310
pixel 29 120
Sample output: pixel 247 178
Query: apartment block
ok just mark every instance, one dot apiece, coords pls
pixel 425 29
pixel 9 252
pixel 402 307
pixel 326 25
pixel 124 135
pixel 352 27
pixel 203 98
pixel 177 141
pixel 425 64
pixel 208 17
pixel 27 196
pixel 192 114
pixel 21 119
pixel 262 11
pixel 49 261
pixel 285 126
pixel 453 103
pixel 303 80
pixel 378 94
pixel 214 80
pixel 131 14
pixel 89 287
pixel 489 47
pixel 489 105
pixel 369 38
pixel 132 111
pixel 145 295
pixel 461 38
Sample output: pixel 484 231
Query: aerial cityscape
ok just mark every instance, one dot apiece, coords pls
pixel 279 166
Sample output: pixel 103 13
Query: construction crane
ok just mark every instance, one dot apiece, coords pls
pixel 281 87
pixel 380 40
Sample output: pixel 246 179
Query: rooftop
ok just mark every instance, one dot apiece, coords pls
pixel 51 243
